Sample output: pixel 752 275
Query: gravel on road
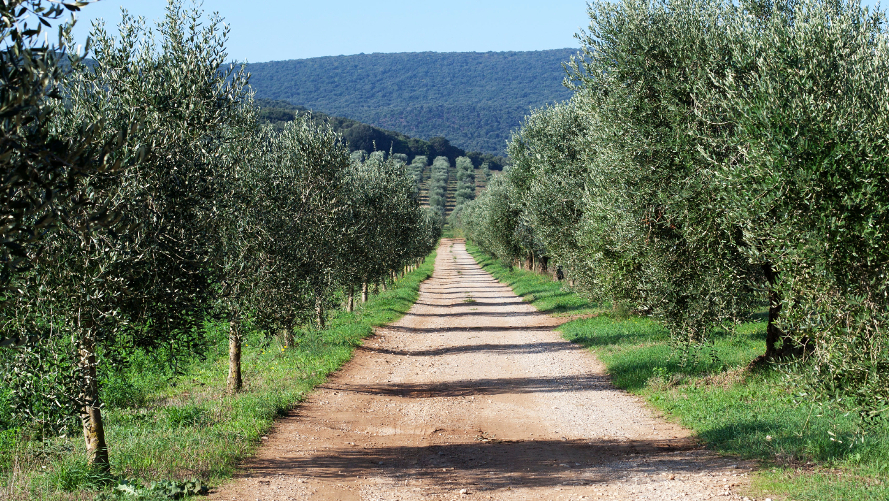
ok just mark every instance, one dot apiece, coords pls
pixel 472 395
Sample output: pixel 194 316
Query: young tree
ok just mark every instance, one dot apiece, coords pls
pixel 48 198
pixel 239 260
pixel 303 196
pixel 152 280
pixel 382 221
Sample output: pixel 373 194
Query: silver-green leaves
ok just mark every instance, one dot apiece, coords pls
pixel 719 157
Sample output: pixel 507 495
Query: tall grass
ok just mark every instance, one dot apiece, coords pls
pixel 162 426
pixel 806 451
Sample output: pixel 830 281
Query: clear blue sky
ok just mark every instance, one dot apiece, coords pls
pixel 273 30
pixel 270 30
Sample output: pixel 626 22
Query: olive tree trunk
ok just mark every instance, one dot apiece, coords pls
pixel 350 302
pixel 91 414
pixel 364 291
pixel 778 344
pixel 288 337
pixel 234 358
pixel 319 311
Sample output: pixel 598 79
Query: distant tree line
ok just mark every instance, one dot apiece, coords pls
pixel 718 157
pixel 360 136
pixel 483 127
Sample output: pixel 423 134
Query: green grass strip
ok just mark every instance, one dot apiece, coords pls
pixel 807 452
pixel 188 427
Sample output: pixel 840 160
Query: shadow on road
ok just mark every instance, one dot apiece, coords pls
pixel 505 349
pixel 495 464
pixel 491 386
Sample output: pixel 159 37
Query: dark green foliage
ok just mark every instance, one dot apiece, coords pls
pixel 129 268
pixel 360 136
pixel 474 99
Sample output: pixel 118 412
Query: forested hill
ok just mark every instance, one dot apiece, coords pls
pixel 361 136
pixel 473 98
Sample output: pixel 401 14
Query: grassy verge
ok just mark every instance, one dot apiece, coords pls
pixel 806 452
pixel 187 427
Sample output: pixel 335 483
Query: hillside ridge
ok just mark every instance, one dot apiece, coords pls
pixel 475 99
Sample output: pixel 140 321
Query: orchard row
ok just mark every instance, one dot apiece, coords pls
pixel 141 197
pixel 718 158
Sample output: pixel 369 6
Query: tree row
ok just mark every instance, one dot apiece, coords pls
pixel 141 198
pixel 718 158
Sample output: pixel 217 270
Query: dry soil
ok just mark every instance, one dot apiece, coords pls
pixel 472 396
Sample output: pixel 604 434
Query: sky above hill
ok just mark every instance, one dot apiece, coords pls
pixel 273 30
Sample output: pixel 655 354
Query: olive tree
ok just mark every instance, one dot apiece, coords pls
pixel 465 188
pixel 381 223
pixel 805 180
pixel 550 163
pixel 492 220
pixel 650 213
pixel 148 280
pixel 48 196
pixel 239 260
pixel 418 168
pixel 304 196
pixel 438 184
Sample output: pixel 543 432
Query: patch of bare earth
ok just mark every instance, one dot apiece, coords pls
pixel 473 396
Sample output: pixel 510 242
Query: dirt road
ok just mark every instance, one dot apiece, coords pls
pixel 472 396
